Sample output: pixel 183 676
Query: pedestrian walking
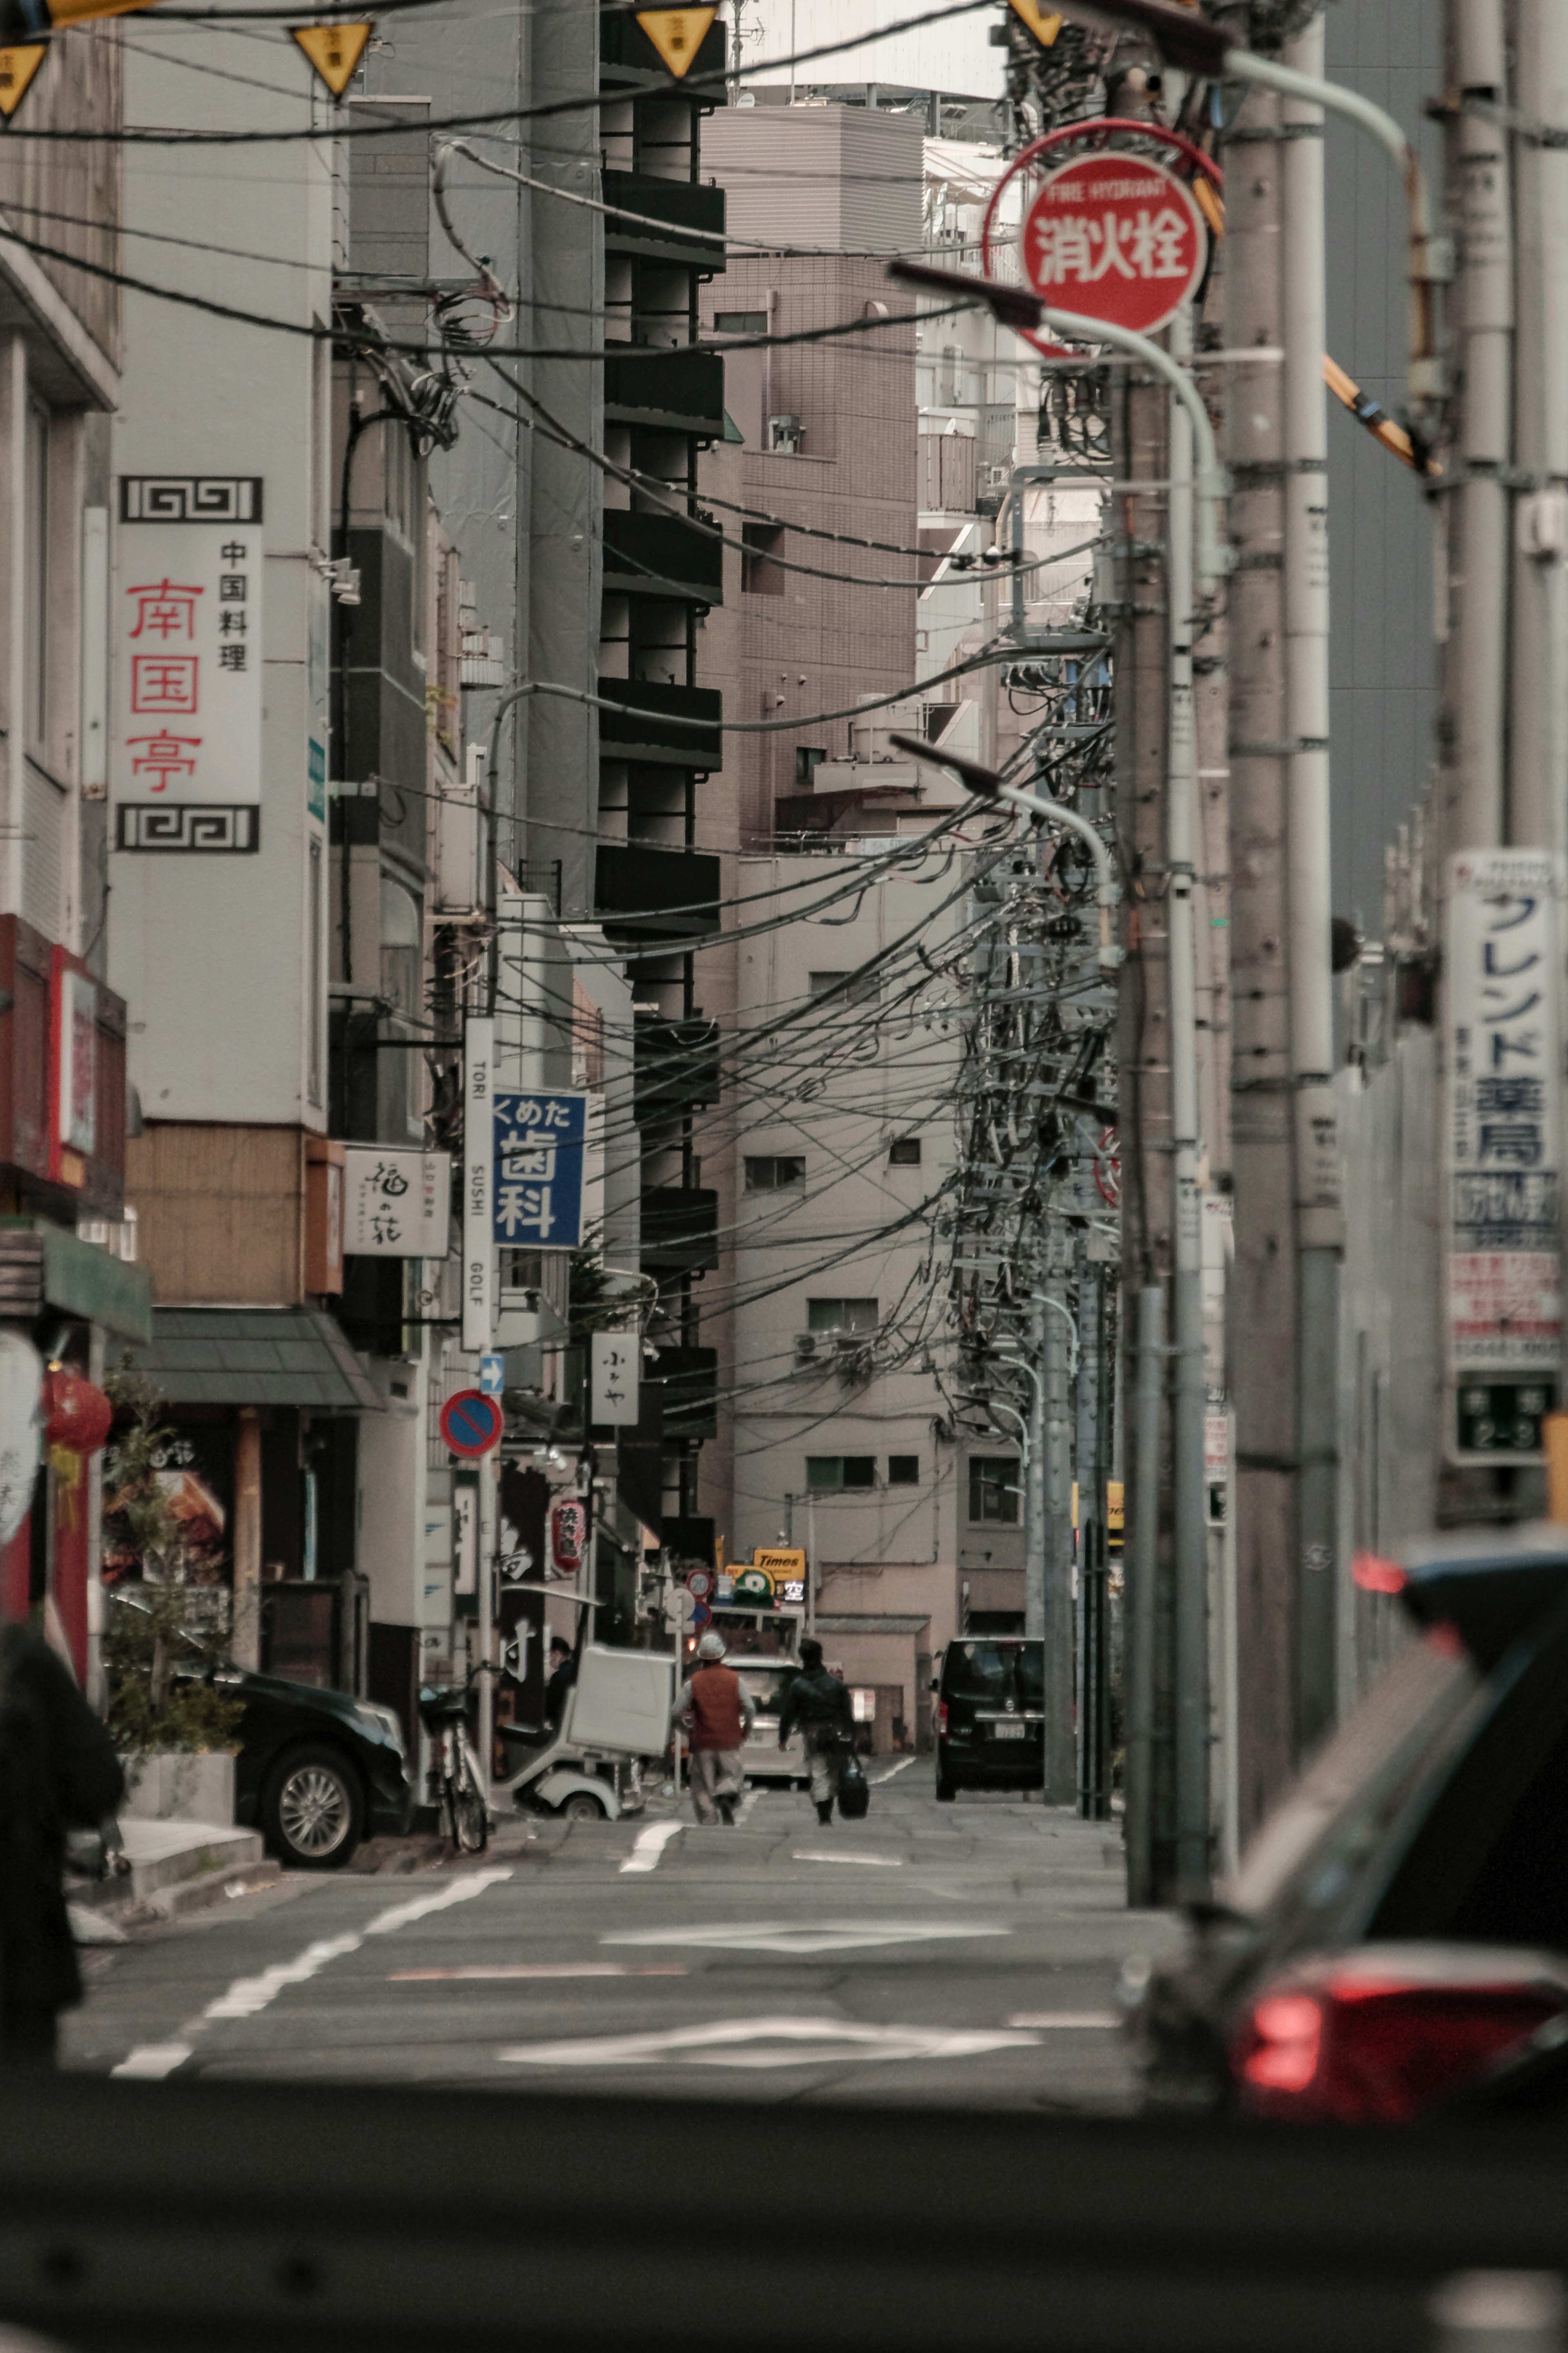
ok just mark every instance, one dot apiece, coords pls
pixel 715 1711
pixel 58 1772
pixel 562 1675
pixel 820 1706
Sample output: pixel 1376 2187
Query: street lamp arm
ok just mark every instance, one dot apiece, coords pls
pixel 988 785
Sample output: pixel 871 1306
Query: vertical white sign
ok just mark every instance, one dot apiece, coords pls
pixel 1503 1113
pixel 186 754
pixel 479 1181
pixel 615 1367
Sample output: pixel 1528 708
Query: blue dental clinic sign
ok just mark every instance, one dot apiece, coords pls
pixel 539 1169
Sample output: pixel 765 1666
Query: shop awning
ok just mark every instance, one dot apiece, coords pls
pixel 255 1356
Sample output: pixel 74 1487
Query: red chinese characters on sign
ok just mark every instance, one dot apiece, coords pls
pixel 162 757
pixel 1112 236
pixel 164 682
pixel 165 611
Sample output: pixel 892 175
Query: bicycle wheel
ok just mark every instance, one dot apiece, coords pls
pixel 470 1815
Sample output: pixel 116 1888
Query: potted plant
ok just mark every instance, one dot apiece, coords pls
pixel 168 1624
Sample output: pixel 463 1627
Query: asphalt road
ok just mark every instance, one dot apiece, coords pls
pixel 965 1953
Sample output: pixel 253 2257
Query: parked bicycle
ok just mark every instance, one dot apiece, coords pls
pixel 465 1809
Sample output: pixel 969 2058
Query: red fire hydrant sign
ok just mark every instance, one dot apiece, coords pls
pixel 1112 236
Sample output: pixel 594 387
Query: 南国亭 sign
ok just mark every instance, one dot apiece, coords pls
pixel 1114 237
pixel 186 631
pixel 1504 1059
pixel 396 1204
pixel 538 1195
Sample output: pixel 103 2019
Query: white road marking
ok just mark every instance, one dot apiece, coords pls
pixel 784 1936
pixel 881 1862
pixel 152 2060
pixel 1059 2018
pixel 539 1969
pixel 649 1844
pixel 759 2043
pixel 901 1766
pixel 248 1996
pixel 747 1802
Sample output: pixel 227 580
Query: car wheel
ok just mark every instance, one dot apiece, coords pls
pixel 945 1792
pixel 582 1808
pixel 312 1811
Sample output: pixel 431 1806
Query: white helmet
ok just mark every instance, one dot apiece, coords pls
pixel 712 1646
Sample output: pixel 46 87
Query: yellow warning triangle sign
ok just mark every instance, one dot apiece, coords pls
pixel 335 51
pixel 17 68
pixel 676 32
pixel 1045 26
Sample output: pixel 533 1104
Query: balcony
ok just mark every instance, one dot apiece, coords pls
pixel 679 1229
pixel 629 60
pixel 679 390
pixel 675 1067
pixel 686 206
pixel 663 726
pixel 661 556
pixel 642 894
pixel 691 1378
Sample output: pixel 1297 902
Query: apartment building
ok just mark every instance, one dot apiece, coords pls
pixel 65 1285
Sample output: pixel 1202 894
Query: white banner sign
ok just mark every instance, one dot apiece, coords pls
pixel 396 1204
pixel 186 767
pixel 617 1365
pixel 479 1183
pixel 1504 1109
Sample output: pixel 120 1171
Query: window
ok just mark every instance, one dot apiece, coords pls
pixel 740 322
pixel 827 1472
pixel 773 1173
pixel 35 574
pixel 808 758
pixel 903 1470
pixel 854 988
pixel 840 1315
pixel 993 1488
pixel 951 391
pixel 760 576
pixel 904 1152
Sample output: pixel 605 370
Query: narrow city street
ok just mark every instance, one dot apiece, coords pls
pixel 964 1954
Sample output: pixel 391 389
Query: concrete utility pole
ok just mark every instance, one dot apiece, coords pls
pixel 1143 1060
pixel 1061 1767
pixel 1320 1215
pixel 1094 1620
pixel 1265 1472
pixel 1538 716
pixel 1190 1547
pixel 1474 809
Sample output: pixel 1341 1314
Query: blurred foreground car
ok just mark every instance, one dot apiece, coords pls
pixel 1395 1945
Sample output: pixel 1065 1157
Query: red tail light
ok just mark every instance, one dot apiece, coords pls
pixel 1377 2037
pixel 941 1719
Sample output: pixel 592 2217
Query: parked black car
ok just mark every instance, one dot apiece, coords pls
pixel 316 1770
pixel 1396 1942
pixel 991 1714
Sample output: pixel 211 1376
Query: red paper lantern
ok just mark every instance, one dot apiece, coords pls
pixel 76 1415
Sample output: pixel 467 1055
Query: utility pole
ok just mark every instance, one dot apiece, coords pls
pixel 1061 1767
pixel 1190 1546
pixel 1037 1562
pixel 1143 1061
pixel 1093 1610
pixel 1538 716
pixel 1320 1215
pixel 1264 1481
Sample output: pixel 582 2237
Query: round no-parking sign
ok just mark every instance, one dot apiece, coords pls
pixel 471 1423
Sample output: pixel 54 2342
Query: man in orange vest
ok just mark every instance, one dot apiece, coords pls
pixel 715 1711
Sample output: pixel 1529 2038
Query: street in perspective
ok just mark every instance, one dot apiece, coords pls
pixel 784 939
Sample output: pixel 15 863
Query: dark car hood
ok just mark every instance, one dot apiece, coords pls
pixel 1490 1584
pixel 249 1684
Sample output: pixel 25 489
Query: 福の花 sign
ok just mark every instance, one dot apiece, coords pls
pixel 1115 237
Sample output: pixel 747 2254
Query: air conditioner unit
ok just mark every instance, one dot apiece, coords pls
pixel 784 435
pixel 805 1345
